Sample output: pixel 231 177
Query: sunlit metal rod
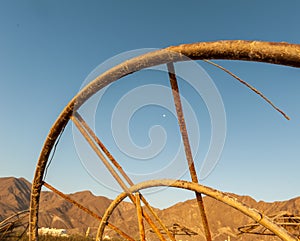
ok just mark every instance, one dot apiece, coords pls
pixel 93 145
pixel 140 217
pixel 187 147
pixel 215 194
pixel 88 211
pixel 122 172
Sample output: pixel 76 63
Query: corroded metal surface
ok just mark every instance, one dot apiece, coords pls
pixel 177 229
pixel 220 196
pixel 140 217
pixel 114 173
pixel 284 219
pixel 114 162
pixel 268 52
pixel 187 147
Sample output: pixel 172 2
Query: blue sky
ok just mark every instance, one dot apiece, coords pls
pixel 48 48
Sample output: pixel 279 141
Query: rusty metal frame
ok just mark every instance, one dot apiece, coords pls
pixel 284 219
pixel 79 120
pixel 94 142
pixel 220 196
pixel 268 52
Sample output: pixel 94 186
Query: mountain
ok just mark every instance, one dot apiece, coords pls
pixel 59 213
pixel 56 212
pixel 14 195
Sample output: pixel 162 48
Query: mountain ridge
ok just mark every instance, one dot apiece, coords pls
pixel 56 212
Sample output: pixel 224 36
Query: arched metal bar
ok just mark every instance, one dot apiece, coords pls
pixel 268 52
pixel 220 196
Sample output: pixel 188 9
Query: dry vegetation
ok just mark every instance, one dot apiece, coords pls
pixel 70 238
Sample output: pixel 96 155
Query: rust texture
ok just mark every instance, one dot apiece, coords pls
pixel 187 147
pixel 93 145
pixel 268 52
pixel 121 171
pixel 139 211
pixel 196 187
pixel 284 219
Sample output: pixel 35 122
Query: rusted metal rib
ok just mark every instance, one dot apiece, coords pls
pixel 122 172
pixel 102 146
pixel 140 217
pixel 196 187
pixel 93 145
pixel 88 211
pixel 187 147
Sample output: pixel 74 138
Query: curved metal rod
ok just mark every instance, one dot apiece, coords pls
pixel 220 196
pixel 268 52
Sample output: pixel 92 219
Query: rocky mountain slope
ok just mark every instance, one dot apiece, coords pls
pixel 14 195
pixel 59 213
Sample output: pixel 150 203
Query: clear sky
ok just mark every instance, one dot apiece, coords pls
pixel 48 48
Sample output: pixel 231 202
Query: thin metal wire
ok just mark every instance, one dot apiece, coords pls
pixel 53 152
pixel 249 86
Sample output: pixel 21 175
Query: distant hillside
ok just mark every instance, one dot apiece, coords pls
pixel 57 212
pixel 14 195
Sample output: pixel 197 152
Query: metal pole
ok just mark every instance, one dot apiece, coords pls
pixel 187 147
pixel 140 217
